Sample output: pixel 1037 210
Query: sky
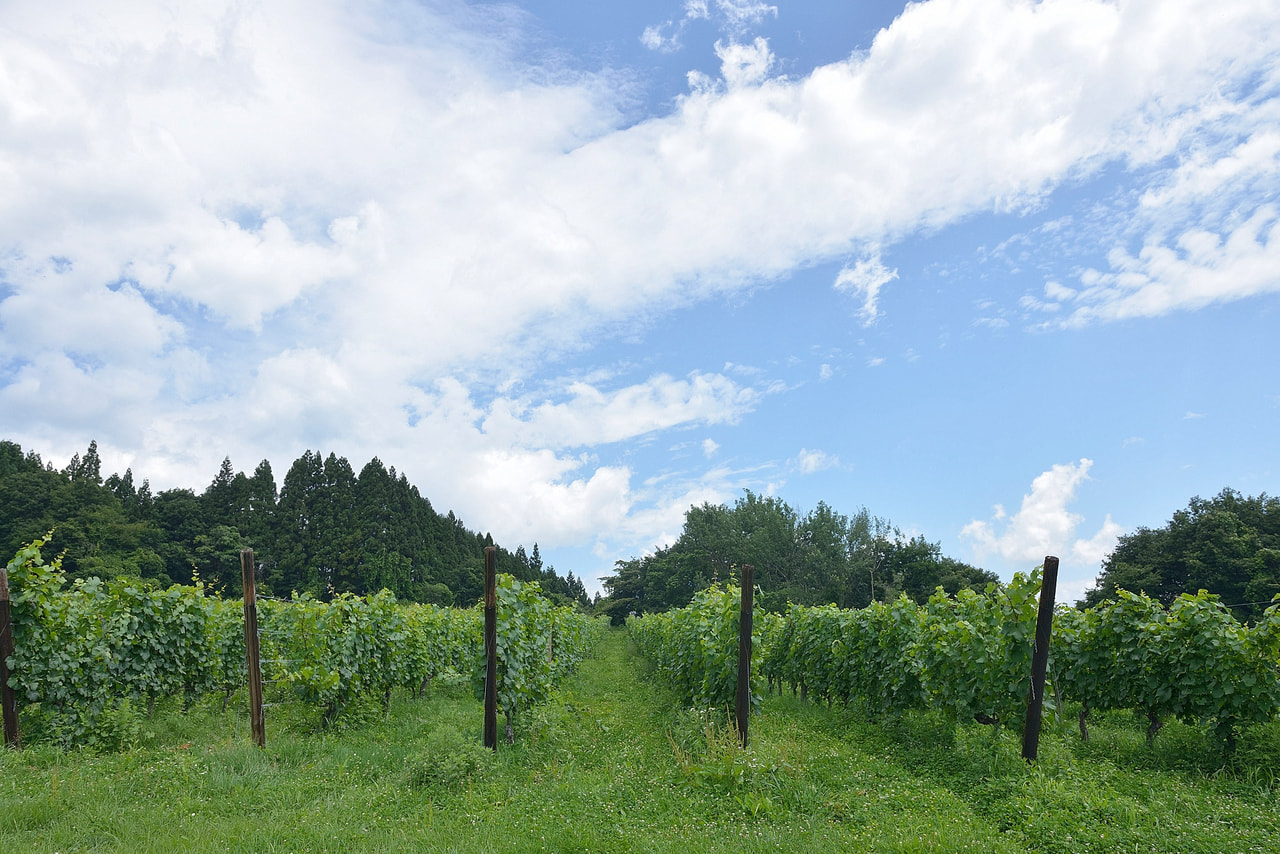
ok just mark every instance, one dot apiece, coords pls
pixel 1007 274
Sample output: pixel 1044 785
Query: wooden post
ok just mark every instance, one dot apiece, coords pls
pixel 256 722
pixel 1040 659
pixel 8 699
pixel 490 651
pixel 742 712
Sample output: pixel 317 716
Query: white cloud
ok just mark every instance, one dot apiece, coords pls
pixel 1202 176
pixel 810 462
pixel 487 181
pixel 1043 525
pixel 749 371
pixel 268 264
pixel 515 468
pixel 95 321
pixel 740 14
pixel 865 279
pixel 696 9
pixel 1204 237
pixel 661 37
pixel 744 64
pixel 529 492
pixel 709 447
pixel 1200 268
pixel 592 417
pixel 78 399
pixel 731 16
pixel 1093 551
pixel 991 322
pixel 278 226
pixel 1058 291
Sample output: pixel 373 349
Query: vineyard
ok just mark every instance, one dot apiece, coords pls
pixel 969 656
pixel 83 652
pixel 868 725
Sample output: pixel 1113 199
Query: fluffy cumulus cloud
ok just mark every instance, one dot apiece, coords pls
pixel 1044 524
pixel 266 227
pixel 744 64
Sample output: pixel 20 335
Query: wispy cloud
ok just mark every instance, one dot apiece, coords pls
pixel 1198 268
pixel 991 322
pixel 864 280
pixel 740 14
pixel 592 417
pixel 732 17
pixel 1202 235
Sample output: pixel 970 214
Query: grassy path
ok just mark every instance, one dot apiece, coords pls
pixel 611 764
pixel 659 779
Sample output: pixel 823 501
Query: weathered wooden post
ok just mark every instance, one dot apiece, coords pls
pixel 12 738
pixel 1040 659
pixel 257 723
pixel 490 650
pixel 742 711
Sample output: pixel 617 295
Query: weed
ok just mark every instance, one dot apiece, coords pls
pixel 449 760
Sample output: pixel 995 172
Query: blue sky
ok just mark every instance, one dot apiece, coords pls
pixel 1005 273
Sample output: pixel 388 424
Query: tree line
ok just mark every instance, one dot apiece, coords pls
pixel 822 557
pixel 1228 545
pixel 325 530
pixel 328 529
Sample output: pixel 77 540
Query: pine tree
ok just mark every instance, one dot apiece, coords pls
pixel 219 497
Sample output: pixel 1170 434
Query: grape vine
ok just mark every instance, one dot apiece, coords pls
pixel 83 650
pixel 969 655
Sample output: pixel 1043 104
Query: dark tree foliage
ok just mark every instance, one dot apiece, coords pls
pixel 819 558
pixel 92 528
pixel 325 531
pixel 1228 545
pixel 223 497
pixel 180 517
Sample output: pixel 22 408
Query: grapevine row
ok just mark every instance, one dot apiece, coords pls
pixel 81 650
pixel 696 647
pixel 970 655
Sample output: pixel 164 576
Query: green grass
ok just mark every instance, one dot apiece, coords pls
pixel 612 764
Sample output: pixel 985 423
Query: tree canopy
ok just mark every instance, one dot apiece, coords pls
pixel 820 557
pixel 326 530
pixel 1228 545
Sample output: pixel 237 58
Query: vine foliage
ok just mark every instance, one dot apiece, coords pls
pixel 969 656
pixel 87 652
